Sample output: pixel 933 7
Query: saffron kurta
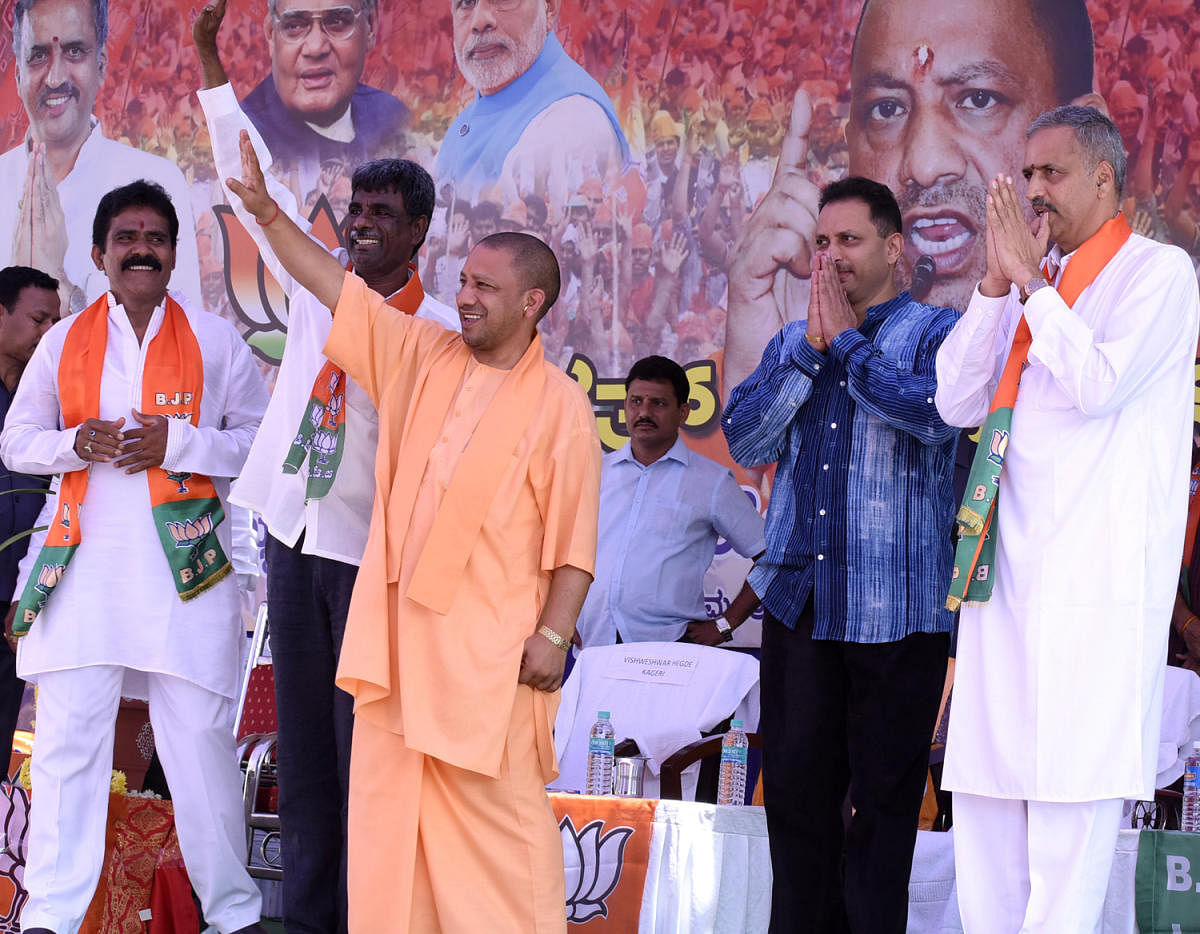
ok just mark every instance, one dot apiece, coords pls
pixel 445 676
pixel 1058 684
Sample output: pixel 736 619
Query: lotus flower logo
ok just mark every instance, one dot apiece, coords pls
pixel 191 532
pixel 334 378
pixel 601 857
pixel 998 446
pixel 181 479
pixel 14 839
pixel 316 414
pixel 324 443
pixel 257 299
pixel 49 576
pixel 335 406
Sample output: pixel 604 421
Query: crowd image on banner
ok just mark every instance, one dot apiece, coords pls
pixel 635 138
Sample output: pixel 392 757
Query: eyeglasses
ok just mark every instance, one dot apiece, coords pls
pixel 463 8
pixel 340 22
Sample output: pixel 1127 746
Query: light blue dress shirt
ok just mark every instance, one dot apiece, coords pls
pixel 659 527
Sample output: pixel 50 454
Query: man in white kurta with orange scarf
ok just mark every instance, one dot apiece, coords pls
pixel 480 553
pixel 1068 595
pixel 147 408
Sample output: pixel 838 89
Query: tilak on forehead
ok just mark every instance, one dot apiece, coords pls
pixel 922 58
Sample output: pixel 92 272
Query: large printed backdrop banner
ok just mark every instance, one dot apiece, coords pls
pixel 636 148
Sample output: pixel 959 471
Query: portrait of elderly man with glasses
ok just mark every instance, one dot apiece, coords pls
pixel 313 107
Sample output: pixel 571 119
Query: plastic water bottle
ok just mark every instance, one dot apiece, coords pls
pixel 600 756
pixel 731 787
pixel 1191 791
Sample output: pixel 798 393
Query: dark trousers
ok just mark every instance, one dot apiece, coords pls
pixel 308 599
pixel 840 716
pixel 12 690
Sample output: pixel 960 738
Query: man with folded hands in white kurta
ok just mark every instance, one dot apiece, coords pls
pixel 146 406
pixel 1067 574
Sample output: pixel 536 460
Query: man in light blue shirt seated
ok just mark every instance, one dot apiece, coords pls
pixel 662 509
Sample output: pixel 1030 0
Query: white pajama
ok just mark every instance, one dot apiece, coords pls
pixel 115 626
pixel 1059 677
pixel 1033 867
pixel 193 731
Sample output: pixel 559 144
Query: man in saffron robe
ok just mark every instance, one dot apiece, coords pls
pixel 479 556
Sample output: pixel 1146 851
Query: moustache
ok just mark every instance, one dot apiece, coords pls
pixel 961 196
pixel 645 421
pixel 130 261
pixel 1040 203
pixel 486 39
pixel 66 88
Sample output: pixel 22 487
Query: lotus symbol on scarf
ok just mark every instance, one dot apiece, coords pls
pixel 316 414
pixel 191 532
pixel 998 446
pixel 334 408
pixel 598 870
pixel 49 576
pixel 181 479
pixel 324 443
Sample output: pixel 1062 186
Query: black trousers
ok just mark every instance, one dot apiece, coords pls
pixel 838 717
pixel 308 599
pixel 12 691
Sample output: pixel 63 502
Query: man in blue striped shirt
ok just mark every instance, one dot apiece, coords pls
pixel 858 559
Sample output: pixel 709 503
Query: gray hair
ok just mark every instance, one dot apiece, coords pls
pixel 273 6
pixel 99 18
pixel 1097 135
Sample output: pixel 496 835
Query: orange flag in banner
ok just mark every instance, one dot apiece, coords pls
pixel 606 849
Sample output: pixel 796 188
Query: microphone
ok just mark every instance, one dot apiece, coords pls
pixel 922 276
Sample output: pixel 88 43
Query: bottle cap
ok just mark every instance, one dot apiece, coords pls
pixel 736 724
pixel 602 715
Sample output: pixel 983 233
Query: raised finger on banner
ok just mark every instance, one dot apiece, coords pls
pixel 793 154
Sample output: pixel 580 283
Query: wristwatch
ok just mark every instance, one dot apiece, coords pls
pixel 724 628
pixel 1037 282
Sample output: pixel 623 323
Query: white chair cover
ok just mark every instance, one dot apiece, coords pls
pixel 661 694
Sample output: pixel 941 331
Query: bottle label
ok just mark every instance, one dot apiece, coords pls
pixel 600 745
pixel 733 754
pixel 1191 775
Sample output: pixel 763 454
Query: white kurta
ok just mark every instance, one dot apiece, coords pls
pixel 334 526
pixel 1058 683
pixel 102 165
pixel 116 604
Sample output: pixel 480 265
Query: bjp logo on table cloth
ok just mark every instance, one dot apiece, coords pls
pixel 601 859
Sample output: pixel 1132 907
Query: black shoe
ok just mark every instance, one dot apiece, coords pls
pixel 252 929
pixel 45 931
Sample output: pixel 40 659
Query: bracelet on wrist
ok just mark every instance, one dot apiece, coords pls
pixel 1187 622
pixel 554 638
pixel 273 216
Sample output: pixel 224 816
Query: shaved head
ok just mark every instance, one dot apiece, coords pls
pixel 534 262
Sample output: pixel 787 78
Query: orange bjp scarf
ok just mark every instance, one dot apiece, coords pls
pixel 975 554
pixel 185 506
pixel 321 437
